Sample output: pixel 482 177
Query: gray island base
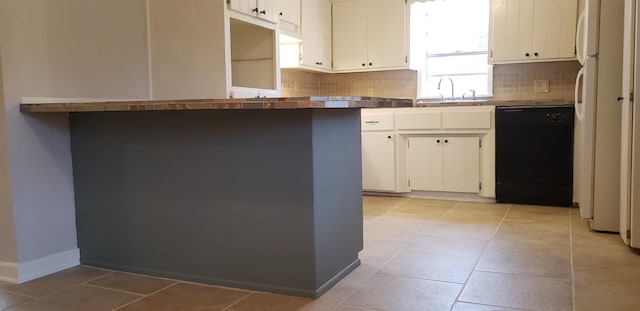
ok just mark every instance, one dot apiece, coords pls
pixel 260 199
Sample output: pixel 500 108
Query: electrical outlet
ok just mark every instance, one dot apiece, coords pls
pixel 541 86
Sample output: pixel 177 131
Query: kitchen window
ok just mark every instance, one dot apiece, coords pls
pixel 449 48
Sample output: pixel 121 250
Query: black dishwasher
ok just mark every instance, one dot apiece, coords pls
pixel 534 155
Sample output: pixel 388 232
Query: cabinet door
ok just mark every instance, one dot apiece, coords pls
pixel 288 11
pixel 425 163
pixel 378 161
pixel 267 9
pixel 461 165
pixel 512 29
pixel 554 29
pixel 316 34
pixel 350 35
pixel 386 34
pixel 244 6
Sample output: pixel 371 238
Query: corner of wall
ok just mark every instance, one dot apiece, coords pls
pixel 8 245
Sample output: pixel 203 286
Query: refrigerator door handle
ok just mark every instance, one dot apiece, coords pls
pixel 577 105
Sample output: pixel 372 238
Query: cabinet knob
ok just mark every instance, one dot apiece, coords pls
pixel 535 54
pixel 437 141
pixel 446 141
pixel 389 136
pixel 319 63
pixel 255 10
pixel 527 54
pixel 280 13
pixel 370 64
pixel 620 98
pixel 363 64
pixel 263 12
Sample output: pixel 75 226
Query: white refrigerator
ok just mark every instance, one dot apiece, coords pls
pixel 630 143
pixel 599 50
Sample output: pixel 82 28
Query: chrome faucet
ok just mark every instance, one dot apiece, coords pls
pixel 440 82
pixel 473 94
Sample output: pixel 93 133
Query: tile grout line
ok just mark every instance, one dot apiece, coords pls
pixel 377 269
pixel 237 301
pixel 410 277
pixel 403 248
pixel 57 291
pixel 523 274
pixel 216 286
pixel 144 296
pixel 464 285
pixel 109 272
pixel 391 209
pixel 113 289
pixel 358 307
pixel 421 231
pixel 145 275
pixel 423 279
pixel 417 235
pixel 19 294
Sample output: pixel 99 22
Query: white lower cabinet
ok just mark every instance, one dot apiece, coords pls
pixel 444 163
pixel 424 161
pixel 378 161
pixel 439 151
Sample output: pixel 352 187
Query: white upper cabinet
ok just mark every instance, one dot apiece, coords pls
pixel 316 34
pixel 314 52
pixel 369 34
pixel 349 35
pixel 288 13
pixel 264 9
pixel 532 30
pixel 387 34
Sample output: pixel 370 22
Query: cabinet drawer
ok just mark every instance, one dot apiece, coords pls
pixel 466 120
pixel 419 120
pixel 377 122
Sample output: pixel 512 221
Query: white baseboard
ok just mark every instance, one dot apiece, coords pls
pixel 23 272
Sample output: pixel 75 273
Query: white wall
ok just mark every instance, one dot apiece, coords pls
pixel 187 49
pixel 8 251
pixel 61 48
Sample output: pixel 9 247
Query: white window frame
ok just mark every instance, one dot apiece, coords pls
pixel 421 64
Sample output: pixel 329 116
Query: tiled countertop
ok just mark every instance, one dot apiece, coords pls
pixel 314 102
pixel 495 102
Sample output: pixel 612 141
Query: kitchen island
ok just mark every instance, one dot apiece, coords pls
pixel 261 194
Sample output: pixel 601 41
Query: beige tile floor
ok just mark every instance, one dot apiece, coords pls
pixel 418 255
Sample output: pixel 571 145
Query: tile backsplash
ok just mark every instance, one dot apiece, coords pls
pixel 392 83
pixel 516 81
pixel 510 82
